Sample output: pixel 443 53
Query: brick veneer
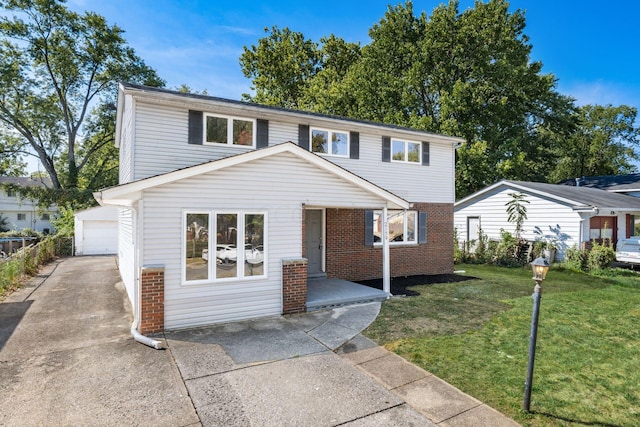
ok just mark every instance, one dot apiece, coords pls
pixel 348 258
pixel 152 300
pixel 294 285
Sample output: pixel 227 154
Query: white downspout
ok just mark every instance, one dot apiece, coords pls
pixel 157 344
pixel 386 263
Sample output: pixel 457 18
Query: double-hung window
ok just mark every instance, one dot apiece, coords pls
pixel 22 217
pixel 235 249
pixel 229 130
pixel 406 151
pixel 403 226
pixel 331 142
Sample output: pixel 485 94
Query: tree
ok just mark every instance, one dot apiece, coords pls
pixel 605 143
pixel 280 67
pixel 517 212
pixel 466 74
pixel 57 66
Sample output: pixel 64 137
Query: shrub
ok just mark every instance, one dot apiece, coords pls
pixel 600 256
pixel 510 251
pixel 575 259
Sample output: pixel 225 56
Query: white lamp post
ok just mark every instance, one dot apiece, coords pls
pixel 540 267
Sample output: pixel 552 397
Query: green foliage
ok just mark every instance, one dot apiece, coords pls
pixel 510 251
pixel 64 223
pixel 466 74
pixel 517 211
pixel 575 259
pixel 57 64
pixel 605 143
pixel 600 257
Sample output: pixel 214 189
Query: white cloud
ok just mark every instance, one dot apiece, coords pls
pixel 602 92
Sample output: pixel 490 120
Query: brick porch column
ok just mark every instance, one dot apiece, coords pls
pixel 152 299
pixel 294 285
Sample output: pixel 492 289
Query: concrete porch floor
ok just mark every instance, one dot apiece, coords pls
pixel 327 293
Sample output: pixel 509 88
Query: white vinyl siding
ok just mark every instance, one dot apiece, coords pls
pixel 126 252
pixel 541 212
pixel 161 146
pixel 126 141
pixel 267 187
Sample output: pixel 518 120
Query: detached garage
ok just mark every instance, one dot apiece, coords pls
pixel 96 231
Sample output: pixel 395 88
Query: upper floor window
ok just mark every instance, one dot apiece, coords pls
pixel 333 143
pixel 406 151
pixel 11 193
pixel 229 130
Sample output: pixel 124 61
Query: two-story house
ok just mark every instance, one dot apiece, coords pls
pixel 227 207
pixel 21 212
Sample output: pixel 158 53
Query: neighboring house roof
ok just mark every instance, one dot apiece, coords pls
pixel 578 198
pixel 614 183
pixel 25 181
pixel 124 194
pixel 191 98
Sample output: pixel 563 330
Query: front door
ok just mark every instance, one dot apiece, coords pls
pixel 313 241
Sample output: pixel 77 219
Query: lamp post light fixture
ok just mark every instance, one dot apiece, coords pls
pixel 540 267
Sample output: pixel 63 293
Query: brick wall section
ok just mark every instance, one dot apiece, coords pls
pixel 348 258
pixel 152 300
pixel 294 285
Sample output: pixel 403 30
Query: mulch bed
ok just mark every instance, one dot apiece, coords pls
pixel 400 285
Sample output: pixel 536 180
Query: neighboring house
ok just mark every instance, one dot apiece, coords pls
pixel 96 231
pixel 227 207
pixel 628 184
pixel 21 212
pixel 567 215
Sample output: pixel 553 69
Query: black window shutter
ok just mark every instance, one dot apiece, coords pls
pixel 262 133
pixel 386 149
pixel 195 127
pixel 422 227
pixel 303 136
pixel 425 153
pixel 354 145
pixel 368 228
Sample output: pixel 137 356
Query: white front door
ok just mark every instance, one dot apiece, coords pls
pixel 313 241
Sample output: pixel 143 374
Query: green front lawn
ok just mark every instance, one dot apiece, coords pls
pixel 475 335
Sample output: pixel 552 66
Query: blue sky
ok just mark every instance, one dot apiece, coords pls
pixel 590 46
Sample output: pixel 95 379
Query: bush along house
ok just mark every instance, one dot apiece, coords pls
pixel 227 208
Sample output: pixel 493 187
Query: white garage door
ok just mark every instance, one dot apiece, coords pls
pixel 100 237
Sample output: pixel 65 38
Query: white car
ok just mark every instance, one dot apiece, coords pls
pixel 628 250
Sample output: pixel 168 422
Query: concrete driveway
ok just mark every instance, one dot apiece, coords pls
pixel 67 358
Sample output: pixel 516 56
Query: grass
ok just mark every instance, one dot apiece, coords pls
pixel 475 334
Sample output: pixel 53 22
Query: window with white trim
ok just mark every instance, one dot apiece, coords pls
pixel 234 251
pixel 22 217
pixel 331 142
pixel 403 226
pixel 406 151
pixel 229 130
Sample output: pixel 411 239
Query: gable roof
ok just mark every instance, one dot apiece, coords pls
pixel 196 101
pixel 126 194
pixel 614 183
pixel 578 198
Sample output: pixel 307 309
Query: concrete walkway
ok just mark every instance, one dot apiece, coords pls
pixel 66 358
